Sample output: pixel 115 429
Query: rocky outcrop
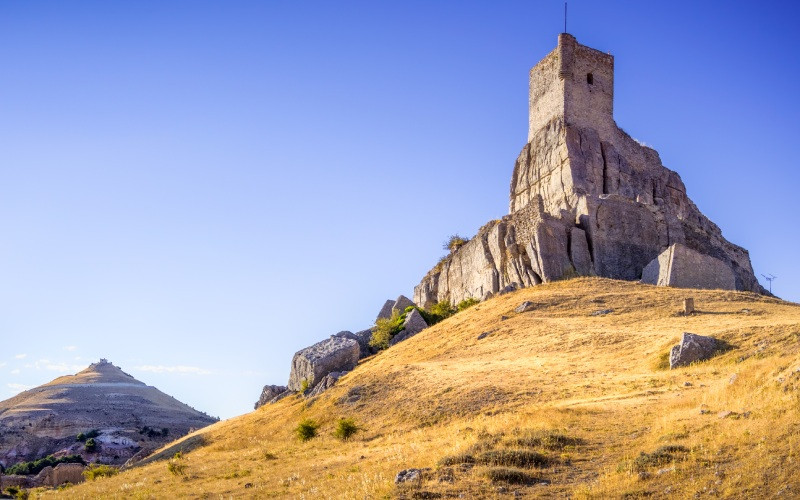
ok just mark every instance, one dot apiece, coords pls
pixel 586 199
pixel 326 383
pixel 363 337
pixel 692 348
pixel 413 324
pixel 682 267
pixel 269 393
pixel 311 364
pixel 58 475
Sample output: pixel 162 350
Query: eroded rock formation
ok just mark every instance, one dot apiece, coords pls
pixel 586 198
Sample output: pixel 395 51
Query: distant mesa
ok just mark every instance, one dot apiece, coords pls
pixel 125 416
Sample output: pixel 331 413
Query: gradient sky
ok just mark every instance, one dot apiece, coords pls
pixel 196 190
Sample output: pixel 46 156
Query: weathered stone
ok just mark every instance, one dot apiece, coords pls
pixel 268 394
pixel 413 324
pixel 602 312
pixel 401 304
pixel 386 310
pixel 410 475
pixel 692 348
pixel 484 335
pixel 688 306
pixel 586 198
pixel 284 394
pixel 62 473
pixel 682 267
pixel 313 363
pixel 362 338
pixel 525 307
pixel 326 383
pixel 15 480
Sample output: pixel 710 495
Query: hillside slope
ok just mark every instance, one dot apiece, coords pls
pixel 572 397
pixel 129 415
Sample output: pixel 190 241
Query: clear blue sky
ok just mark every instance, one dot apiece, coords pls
pixel 196 190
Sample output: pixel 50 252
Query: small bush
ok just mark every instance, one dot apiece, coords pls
pixel 345 429
pixel 270 456
pixel 545 439
pixel 306 429
pixel 176 468
pixel 95 471
pixel 304 386
pixel 661 456
pixel 438 312
pixel 454 242
pixel 90 445
pixel 385 329
pixel 461 458
pixel 509 475
pixel 467 303
pixel 34 467
pixel 514 458
pixel 83 436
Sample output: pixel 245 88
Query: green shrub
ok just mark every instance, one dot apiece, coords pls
pixel 545 439
pixel 83 436
pixel 454 242
pixel 345 429
pixel 90 445
pixel 176 468
pixel 461 458
pixel 467 303
pixel 306 429
pixel 304 386
pixel 34 467
pixel 95 471
pixel 438 312
pixel 661 456
pixel 385 329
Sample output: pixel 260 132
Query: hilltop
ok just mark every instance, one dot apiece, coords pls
pixel 128 416
pixel 578 386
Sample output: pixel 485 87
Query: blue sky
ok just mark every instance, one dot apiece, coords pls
pixel 196 190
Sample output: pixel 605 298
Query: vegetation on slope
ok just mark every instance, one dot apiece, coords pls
pixel 553 402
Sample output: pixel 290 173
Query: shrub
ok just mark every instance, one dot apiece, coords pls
pixel 513 458
pixel 461 458
pixel 545 439
pixel 95 471
pixel 345 429
pixel 454 242
pixel 385 329
pixel 509 475
pixel 176 468
pixel 467 303
pixel 304 386
pixel 83 436
pixel 306 429
pixel 662 455
pixel 437 312
pixel 34 467
pixel 90 446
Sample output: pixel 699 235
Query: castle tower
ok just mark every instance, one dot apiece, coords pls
pixel 573 82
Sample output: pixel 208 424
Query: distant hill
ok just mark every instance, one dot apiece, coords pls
pixel 572 398
pixel 127 415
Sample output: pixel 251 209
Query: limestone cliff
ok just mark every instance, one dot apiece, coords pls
pixel 586 198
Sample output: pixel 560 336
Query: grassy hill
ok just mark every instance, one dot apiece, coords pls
pixel 552 402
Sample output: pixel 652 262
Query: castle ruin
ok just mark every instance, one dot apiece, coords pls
pixel 586 200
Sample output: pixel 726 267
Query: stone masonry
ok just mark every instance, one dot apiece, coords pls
pixel 586 198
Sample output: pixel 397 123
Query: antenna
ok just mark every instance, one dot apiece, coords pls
pixel 565 17
pixel 770 278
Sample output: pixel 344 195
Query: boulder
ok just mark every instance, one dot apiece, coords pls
pixel 413 324
pixel 311 364
pixel 401 304
pixel 363 337
pixel 268 394
pixel 692 348
pixel 410 475
pixel 682 267
pixel 386 310
pixel 326 383
pixel 284 394
pixel 525 307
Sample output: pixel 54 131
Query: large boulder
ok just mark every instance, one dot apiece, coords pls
pixel 269 393
pixel 401 304
pixel 363 337
pixel 682 267
pixel 413 324
pixel 311 364
pixel 386 310
pixel 692 348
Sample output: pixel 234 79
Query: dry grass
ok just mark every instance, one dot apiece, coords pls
pixel 554 402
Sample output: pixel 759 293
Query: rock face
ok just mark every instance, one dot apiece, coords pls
pixel 311 364
pixel 692 348
pixel 129 415
pixel 326 383
pixel 586 199
pixel 269 393
pixel 682 267
pixel 62 473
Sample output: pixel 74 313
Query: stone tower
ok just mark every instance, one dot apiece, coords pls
pixel 587 199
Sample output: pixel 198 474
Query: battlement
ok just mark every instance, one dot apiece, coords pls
pixel 574 82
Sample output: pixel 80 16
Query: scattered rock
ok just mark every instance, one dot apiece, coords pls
pixel 326 383
pixel 248 485
pixel 507 289
pixel 409 475
pixel 602 312
pixel 688 306
pixel 726 414
pixel 733 378
pixel 503 318
pixel 687 384
pixel 691 348
pixel 268 394
pixel 413 324
pixel 311 364
pixel 525 307
pixel 483 335
pixel 401 304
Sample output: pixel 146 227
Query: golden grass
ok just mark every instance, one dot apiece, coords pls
pixel 596 381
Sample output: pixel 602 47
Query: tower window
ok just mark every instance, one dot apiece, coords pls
pixel 589 78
